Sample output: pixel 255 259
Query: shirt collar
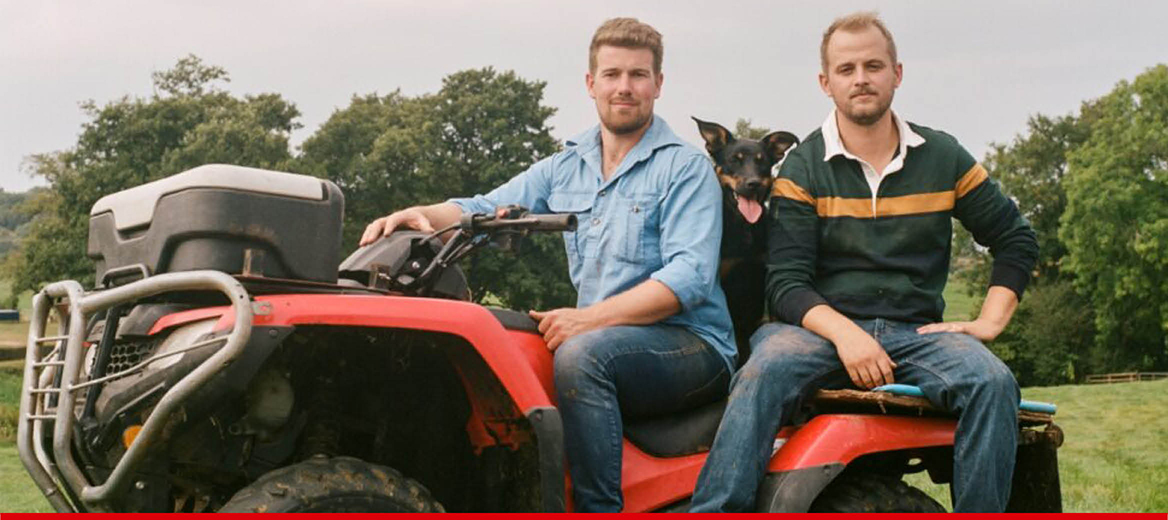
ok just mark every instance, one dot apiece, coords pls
pixel 834 144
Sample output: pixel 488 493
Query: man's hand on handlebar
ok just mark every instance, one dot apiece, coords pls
pixel 446 216
pixel 411 218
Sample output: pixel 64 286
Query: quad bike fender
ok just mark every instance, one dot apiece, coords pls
pixel 820 450
pixel 497 346
pixel 520 360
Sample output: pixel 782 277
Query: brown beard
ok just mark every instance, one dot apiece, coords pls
pixel 868 119
pixel 630 127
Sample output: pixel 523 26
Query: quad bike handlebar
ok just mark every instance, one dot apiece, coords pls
pixel 415 264
pixel 517 219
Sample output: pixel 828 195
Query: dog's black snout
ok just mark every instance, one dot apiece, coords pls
pixel 753 184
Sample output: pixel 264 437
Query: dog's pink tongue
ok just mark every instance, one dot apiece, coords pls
pixel 750 209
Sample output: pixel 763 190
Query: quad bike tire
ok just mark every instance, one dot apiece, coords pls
pixel 867 493
pixel 333 485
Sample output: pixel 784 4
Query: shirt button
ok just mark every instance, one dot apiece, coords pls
pixel 601 193
pixel 595 221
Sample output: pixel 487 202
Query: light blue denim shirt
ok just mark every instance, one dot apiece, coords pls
pixel 659 216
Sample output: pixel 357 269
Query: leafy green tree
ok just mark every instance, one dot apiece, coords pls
pixel 11 216
pixel 1116 222
pixel 483 127
pixel 13 220
pixel 188 121
pixel 1051 339
pixel 743 129
pixel 1031 170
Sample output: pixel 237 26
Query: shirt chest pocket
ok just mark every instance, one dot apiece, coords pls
pixel 579 204
pixel 633 224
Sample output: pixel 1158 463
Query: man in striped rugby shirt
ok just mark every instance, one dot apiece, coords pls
pixel 861 223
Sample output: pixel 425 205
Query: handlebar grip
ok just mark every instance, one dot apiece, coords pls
pixel 565 222
pixel 558 222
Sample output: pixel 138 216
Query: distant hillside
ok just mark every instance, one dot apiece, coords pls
pixel 14 219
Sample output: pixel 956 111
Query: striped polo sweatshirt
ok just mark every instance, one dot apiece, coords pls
pixel 889 258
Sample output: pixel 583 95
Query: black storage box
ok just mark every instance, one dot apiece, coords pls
pixel 212 217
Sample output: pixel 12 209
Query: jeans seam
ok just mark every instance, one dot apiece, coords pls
pixel 685 350
pixel 939 375
pixel 706 386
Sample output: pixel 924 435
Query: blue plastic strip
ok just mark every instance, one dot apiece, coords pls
pixel 913 391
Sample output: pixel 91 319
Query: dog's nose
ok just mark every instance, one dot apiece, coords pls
pixel 753 184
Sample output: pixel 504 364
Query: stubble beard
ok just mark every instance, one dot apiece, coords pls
pixel 867 118
pixel 629 127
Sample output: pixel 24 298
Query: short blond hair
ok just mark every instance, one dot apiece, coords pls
pixel 856 22
pixel 628 33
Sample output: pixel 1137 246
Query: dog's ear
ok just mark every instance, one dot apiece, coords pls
pixel 777 144
pixel 715 135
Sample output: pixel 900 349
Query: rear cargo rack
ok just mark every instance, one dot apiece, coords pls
pixel 54 386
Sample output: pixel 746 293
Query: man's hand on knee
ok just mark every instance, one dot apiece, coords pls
pixel 983 330
pixel 560 324
pixel 867 363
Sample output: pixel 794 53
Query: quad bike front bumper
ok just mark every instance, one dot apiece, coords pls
pixel 55 386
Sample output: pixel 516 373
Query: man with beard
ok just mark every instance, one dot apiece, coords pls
pixel 650 333
pixel 859 255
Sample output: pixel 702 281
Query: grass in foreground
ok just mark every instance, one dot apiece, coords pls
pixel 17 491
pixel 1115 457
pixel 18 494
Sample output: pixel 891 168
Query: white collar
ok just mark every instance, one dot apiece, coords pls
pixel 834 144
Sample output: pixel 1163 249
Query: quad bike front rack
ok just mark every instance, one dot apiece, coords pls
pixel 54 381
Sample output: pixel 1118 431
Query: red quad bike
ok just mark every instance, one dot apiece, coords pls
pixel 223 365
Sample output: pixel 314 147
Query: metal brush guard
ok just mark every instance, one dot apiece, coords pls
pixel 53 382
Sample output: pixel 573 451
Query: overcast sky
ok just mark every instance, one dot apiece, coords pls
pixel 974 69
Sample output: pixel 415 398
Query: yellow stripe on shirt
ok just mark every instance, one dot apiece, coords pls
pixel 787 189
pixel 971 179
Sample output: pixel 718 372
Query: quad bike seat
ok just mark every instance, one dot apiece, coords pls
pixel 693 431
pixel 676 435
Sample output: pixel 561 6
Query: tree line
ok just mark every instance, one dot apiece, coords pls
pixel 384 151
pixel 1093 183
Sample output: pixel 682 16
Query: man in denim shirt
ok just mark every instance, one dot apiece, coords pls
pixel 650 333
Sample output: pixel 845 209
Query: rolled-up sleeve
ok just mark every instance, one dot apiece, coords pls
pixel 529 189
pixel 690 227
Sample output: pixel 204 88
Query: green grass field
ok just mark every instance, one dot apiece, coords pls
pixel 15 333
pixel 959 306
pixel 1115 457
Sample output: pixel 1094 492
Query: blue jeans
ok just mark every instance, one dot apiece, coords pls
pixel 638 370
pixel 788 364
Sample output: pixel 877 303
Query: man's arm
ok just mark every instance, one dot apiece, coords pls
pixel 995 222
pixel 646 303
pixel 690 224
pixel 529 189
pixel 422 218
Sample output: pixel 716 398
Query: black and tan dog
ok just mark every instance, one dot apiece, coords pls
pixel 744 170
